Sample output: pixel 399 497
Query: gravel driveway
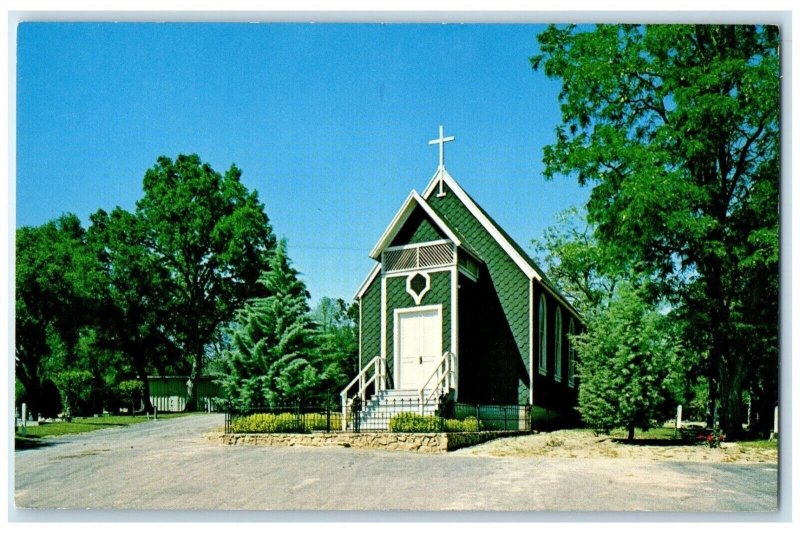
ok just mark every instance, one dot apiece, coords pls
pixel 168 465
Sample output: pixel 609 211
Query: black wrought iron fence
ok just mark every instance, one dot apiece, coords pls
pixel 283 419
pixel 398 416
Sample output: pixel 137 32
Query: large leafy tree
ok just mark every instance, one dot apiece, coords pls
pixel 676 128
pixel 135 313
pixel 273 359
pixel 213 238
pixel 581 268
pixel 58 289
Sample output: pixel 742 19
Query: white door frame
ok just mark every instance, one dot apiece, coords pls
pixel 409 310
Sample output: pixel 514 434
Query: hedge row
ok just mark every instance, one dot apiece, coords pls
pixel 415 423
pixel 399 423
pixel 284 423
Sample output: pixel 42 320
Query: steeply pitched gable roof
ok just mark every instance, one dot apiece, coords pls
pixel 514 250
pixel 412 201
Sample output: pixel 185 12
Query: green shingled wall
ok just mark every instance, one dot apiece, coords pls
pixel 398 298
pixel 417 229
pixel 511 283
pixel 371 322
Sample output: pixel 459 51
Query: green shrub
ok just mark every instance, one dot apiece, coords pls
pixel 461 426
pixel 319 422
pixel 266 423
pixel 414 423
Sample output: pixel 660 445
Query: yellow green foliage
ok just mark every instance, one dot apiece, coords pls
pixel 414 423
pixel 285 423
pixel 266 423
pixel 460 426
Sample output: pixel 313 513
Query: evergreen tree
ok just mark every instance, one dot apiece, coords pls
pixel 338 345
pixel 272 361
pixel 627 359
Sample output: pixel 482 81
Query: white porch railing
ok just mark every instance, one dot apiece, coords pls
pixel 444 376
pixel 374 372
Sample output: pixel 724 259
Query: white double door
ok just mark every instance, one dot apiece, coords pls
pixel 418 344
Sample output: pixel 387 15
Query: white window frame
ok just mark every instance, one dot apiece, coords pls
pixel 558 346
pixel 571 351
pixel 542 335
pixel 418 297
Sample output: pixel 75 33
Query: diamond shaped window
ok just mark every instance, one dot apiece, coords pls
pixel 417 285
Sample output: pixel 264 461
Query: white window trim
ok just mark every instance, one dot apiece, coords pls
pixel 542 335
pixel 418 297
pixel 571 352
pixel 467 274
pixel 531 340
pixel 558 346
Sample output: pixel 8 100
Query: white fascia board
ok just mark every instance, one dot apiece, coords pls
pixel 376 269
pixel 485 222
pixel 413 200
pixel 493 231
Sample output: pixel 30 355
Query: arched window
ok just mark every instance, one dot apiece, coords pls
pixel 542 336
pixel 571 352
pixel 559 333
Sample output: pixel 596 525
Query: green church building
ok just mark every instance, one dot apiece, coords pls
pixel 453 305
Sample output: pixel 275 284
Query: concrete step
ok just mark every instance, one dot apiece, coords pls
pixel 380 408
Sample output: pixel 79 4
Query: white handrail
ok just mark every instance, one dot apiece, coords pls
pixel 378 376
pixel 445 380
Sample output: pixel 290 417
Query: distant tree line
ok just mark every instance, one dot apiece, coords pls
pixel 171 288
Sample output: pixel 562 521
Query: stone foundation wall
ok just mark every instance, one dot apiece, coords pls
pixel 410 442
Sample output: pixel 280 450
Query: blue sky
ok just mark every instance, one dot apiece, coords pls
pixel 329 122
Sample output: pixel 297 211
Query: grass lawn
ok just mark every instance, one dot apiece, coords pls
pixel 82 425
pixel 763 444
pixel 656 435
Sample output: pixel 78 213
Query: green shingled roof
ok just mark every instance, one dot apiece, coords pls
pixel 521 251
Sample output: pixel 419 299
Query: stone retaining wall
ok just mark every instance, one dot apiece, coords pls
pixel 411 442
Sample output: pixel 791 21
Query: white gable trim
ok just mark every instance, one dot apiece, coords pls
pixel 442 174
pixel 376 269
pixel 413 200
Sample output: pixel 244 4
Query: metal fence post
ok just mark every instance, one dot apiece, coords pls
pixel 298 417
pixel 478 415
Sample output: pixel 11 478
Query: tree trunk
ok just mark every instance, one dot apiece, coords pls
pixel 630 432
pixel 148 405
pixel 730 409
pixel 191 396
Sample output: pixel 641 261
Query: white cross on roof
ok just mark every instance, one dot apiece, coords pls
pixel 440 141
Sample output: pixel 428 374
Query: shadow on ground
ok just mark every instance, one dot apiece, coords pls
pixel 27 443
pixel 653 442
